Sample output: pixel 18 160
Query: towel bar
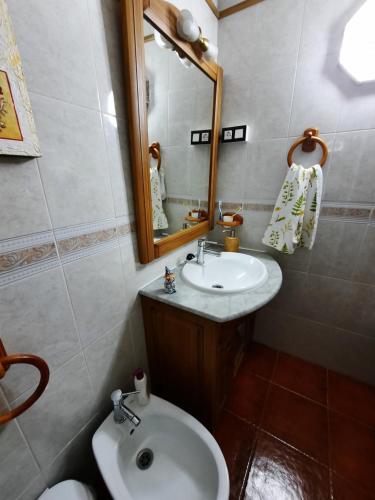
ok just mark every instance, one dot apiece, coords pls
pixel 28 359
pixel 309 141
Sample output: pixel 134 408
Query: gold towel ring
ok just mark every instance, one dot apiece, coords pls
pixel 154 151
pixel 309 140
pixel 29 359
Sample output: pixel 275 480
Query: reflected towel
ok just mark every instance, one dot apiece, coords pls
pixel 295 216
pixel 163 190
pixel 159 219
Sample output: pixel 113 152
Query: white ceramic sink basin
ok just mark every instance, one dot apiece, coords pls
pixel 230 273
pixel 187 464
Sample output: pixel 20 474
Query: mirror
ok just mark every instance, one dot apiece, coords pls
pixel 172 91
pixel 180 100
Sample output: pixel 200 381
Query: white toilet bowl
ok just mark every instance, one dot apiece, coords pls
pixel 68 490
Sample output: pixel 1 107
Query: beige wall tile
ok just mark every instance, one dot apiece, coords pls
pixel 65 408
pixel 336 248
pixel 365 269
pixel 74 166
pixel 22 203
pixel 96 287
pixel 110 361
pixel 34 490
pixel 17 466
pixel 334 348
pixel 76 460
pixel 36 317
pixel 48 45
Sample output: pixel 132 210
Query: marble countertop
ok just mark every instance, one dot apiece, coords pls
pixel 217 307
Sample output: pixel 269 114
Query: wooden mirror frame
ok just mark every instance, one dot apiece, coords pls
pixel 163 16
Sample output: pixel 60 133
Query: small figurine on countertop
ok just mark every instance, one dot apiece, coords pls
pixel 169 281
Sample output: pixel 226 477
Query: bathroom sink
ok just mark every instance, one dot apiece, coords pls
pixel 187 462
pixel 231 272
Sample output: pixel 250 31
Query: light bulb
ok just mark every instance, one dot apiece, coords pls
pixel 184 61
pixel 187 28
pixel 161 41
pixel 211 53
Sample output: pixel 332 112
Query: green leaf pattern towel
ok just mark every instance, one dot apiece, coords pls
pixel 295 216
pixel 159 219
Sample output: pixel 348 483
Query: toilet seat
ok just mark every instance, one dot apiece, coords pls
pixel 72 490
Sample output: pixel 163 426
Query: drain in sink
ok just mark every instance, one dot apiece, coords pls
pixel 144 459
pixel 217 285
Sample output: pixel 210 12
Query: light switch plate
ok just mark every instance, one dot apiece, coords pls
pixel 238 133
pixel 200 137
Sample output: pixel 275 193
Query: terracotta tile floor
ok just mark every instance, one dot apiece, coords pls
pixel 292 430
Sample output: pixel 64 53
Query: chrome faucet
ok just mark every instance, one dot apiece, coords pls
pixel 201 250
pixel 121 412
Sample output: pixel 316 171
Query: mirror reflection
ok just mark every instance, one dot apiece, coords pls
pixel 179 101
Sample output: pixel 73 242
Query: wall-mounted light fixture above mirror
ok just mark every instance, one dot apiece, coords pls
pixel 188 29
pixel 357 54
pixel 173 87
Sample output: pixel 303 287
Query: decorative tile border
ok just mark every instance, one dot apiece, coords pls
pixel 357 214
pixel 79 243
pixel 92 227
pixel 21 258
pixel 332 211
pixel 187 202
pixel 22 242
pixel 27 255
pixel 125 227
pixel 353 213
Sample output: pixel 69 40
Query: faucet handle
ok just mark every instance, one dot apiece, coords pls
pixel 117 396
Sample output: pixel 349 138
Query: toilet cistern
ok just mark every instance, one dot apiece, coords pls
pixel 121 412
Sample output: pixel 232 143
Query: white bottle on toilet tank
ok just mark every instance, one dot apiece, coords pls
pixel 140 383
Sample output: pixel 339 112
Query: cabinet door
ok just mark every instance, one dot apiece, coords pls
pixel 175 347
pixel 235 337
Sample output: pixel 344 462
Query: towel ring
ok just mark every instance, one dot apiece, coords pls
pixel 28 359
pixel 309 141
pixel 154 151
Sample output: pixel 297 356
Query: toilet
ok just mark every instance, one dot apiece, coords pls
pixel 71 489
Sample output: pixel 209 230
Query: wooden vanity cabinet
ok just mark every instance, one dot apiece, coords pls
pixel 193 359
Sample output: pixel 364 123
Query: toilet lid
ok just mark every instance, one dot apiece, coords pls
pixel 72 490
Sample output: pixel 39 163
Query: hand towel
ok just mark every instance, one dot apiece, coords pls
pixel 159 219
pixel 295 216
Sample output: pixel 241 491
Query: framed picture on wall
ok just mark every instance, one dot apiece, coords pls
pixel 17 127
